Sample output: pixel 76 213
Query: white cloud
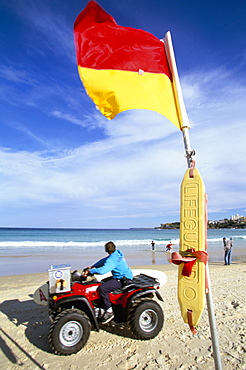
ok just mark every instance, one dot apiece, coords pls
pixel 91 123
pixel 121 173
pixel 50 29
pixel 219 134
pixel 137 169
pixel 12 74
pixel 68 117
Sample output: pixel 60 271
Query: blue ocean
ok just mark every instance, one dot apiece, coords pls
pixel 24 251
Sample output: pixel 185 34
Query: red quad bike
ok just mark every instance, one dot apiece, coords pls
pixel 75 307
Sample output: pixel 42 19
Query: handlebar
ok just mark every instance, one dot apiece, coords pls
pixel 76 276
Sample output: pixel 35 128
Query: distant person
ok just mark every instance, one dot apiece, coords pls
pixel 225 245
pixel 153 245
pixel 228 244
pixel 230 251
pixel 224 241
pixel 116 263
pixel 169 247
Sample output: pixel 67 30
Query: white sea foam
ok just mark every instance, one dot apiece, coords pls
pixel 51 244
pixel 213 240
pixel 161 243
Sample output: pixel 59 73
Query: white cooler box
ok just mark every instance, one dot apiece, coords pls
pixel 59 278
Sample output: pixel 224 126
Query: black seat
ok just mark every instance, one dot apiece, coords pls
pixel 139 281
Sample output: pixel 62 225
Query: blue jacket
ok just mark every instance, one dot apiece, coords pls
pixel 115 263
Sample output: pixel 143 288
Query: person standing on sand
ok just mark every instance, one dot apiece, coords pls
pixel 228 244
pixel 224 246
pixel 229 252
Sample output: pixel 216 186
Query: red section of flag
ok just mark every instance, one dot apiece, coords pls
pixel 102 44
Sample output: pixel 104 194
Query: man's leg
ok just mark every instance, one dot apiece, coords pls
pixel 226 257
pixel 229 257
pixel 106 288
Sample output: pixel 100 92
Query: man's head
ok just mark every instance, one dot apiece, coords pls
pixel 110 247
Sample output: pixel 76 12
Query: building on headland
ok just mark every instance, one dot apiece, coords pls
pixel 235 221
pixel 238 218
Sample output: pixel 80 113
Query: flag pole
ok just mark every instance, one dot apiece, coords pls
pixel 189 153
pixel 180 106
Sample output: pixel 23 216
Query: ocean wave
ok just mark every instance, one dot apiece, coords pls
pixel 233 237
pixel 78 244
pixel 50 244
pixel 120 243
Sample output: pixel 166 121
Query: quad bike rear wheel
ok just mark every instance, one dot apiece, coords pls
pixel 146 320
pixel 69 332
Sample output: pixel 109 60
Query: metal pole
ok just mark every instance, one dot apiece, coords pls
pixel 181 110
pixel 184 126
pixel 189 153
pixel 212 322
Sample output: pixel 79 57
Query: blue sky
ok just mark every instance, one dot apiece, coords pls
pixel 62 164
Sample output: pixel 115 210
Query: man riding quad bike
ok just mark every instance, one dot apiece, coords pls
pixel 76 306
pixel 121 275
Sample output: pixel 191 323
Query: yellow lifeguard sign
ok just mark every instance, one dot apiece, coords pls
pixel 193 232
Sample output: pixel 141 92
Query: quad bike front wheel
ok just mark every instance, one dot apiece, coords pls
pixel 69 332
pixel 146 320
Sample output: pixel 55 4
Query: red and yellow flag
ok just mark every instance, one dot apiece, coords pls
pixel 121 67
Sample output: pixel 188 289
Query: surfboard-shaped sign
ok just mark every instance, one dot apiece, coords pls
pixel 41 295
pixel 156 274
pixel 193 231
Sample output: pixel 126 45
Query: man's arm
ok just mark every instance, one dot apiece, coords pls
pixel 100 263
pixel 108 266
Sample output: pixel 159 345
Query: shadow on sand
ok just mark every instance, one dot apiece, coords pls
pixel 34 318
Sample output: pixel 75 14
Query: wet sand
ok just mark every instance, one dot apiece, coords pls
pixel 25 325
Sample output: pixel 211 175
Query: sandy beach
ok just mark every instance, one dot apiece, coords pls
pixel 24 329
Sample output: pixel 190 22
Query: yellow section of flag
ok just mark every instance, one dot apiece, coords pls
pixel 115 91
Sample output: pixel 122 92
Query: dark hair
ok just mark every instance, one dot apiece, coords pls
pixel 110 247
